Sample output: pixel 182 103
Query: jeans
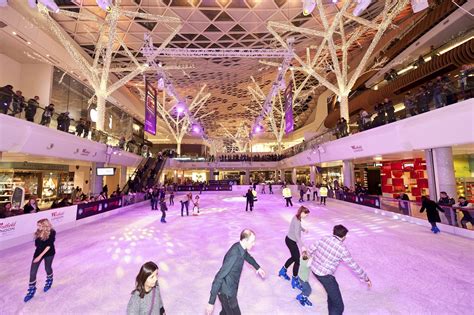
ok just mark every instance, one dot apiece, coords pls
pixel 301 196
pixel 230 305
pixel 305 288
pixel 335 303
pixel 48 262
pixel 163 215
pixel 288 201
pixel 315 194
pixel 185 204
pixel 171 200
pixel 249 203
pixel 323 200
pixel 295 256
pixel 439 100
pixel 154 203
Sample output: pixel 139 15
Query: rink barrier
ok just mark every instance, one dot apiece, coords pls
pixel 19 229
pixel 445 228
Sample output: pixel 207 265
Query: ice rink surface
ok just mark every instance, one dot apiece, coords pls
pixel 412 270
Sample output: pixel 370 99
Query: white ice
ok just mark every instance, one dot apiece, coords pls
pixel 413 271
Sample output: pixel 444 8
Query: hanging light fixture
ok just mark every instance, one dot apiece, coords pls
pixel 50 4
pixel 308 6
pixel 105 5
pixel 361 6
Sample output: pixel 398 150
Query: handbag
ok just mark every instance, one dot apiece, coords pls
pixel 152 301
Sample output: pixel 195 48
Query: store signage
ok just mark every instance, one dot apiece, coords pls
pixel 357 148
pixel 85 152
pixel 33 166
pixel 97 207
pixel 7 228
pixel 289 119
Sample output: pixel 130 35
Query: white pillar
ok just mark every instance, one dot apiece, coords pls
pixel 312 174
pixel 282 176
pixel 97 182
pixel 123 176
pixel 247 177
pixel 175 177
pixel 293 176
pixel 440 168
pixel 348 173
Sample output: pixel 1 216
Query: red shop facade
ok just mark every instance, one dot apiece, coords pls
pixel 405 176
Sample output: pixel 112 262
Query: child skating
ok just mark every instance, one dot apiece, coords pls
pixel 196 206
pixel 303 275
pixel 163 209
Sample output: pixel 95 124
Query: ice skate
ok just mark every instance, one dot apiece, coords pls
pixel 31 293
pixel 295 283
pixel 282 273
pixel 48 284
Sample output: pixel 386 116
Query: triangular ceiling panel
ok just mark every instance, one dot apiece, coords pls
pixel 291 13
pixel 197 16
pixel 236 14
pixel 213 36
pixel 279 17
pixel 251 17
pixel 183 13
pixel 225 26
pixel 264 15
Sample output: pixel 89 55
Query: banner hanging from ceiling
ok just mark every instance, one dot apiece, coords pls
pixel 150 108
pixel 289 119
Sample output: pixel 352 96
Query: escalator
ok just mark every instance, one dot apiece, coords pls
pixel 155 174
pixel 135 182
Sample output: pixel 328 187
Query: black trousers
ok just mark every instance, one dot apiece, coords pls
pixel 171 200
pixel 288 201
pixel 315 195
pixel 163 215
pixel 230 305
pixel 185 204
pixel 295 256
pixel 249 203
pixel 323 200
pixel 154 203
pixel 335 302
pixel 270 190
pixel 48 262
pixel 301 196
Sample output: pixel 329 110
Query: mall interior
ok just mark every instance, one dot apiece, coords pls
pixel 104 103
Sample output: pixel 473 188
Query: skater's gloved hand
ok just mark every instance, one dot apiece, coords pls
pixel 209 309
pixel 261 273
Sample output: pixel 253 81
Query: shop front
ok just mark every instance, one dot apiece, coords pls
pixel 464 173
pixel 46 182
pixel 328 175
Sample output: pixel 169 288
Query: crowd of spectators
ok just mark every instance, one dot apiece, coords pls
pixel 273 157
pixel 14 104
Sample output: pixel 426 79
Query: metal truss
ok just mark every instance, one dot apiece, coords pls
pixel 223 53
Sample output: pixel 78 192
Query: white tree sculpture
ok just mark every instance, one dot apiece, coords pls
pixel 179 117
pixel 276 115
pixel 240 137
pixel 339 33
pixel 98 71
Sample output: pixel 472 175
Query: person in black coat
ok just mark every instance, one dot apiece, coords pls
pixel 6 97
pixel 31 107
pixel 250 198
pixel 431 208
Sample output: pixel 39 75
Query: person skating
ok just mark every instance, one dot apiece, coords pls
pixel 249 200
pixel 327 254
pixel 172 198
pixel 270 188
pixel 292 240
pixel 323 194
pixel 163 209
pixel 316 192
pixel 146 298
pixel 431 208
pixel 196 210
pixel 45 236
pixel 185 203
pixel 303 278
pixel 302 189
pixel 226 281
pixel 286 192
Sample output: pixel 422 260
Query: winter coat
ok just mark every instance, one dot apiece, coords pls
pixel 431 210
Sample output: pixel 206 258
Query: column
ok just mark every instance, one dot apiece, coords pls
pixel 293 176
pixel 211 173
pixel 312 174
pixel 282 176
pixel 247 177
pixel 175 176
pixel 275 176
pixel 123 176
pixel 97 182
pixel 440 168
pixel 348 173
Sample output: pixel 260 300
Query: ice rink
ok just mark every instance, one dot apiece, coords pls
pixel 412 270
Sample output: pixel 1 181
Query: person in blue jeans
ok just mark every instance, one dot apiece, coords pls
pixel 327 254
pixel 303 278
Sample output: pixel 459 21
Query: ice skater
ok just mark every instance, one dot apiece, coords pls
pixel 171 198
pixel 263 188
pixel 270 188
pixel 315 192
pixel 431 208
pixel 286 192
pixel 163 209
pixel 146 298
pixel 226 281
pixel 249 200
pixel 303 278
pixel 185 203
pixel 196 205
pixel 327 254
pixel 45 236
pixel 323 194
pixel 292 240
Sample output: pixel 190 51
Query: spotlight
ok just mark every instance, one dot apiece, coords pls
pixel 258 129
pixel 179 110
pixel 361 6
pixel 3 3
pixel 308 6
pixel 196 129
pixel 161 83
pixel 104 4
